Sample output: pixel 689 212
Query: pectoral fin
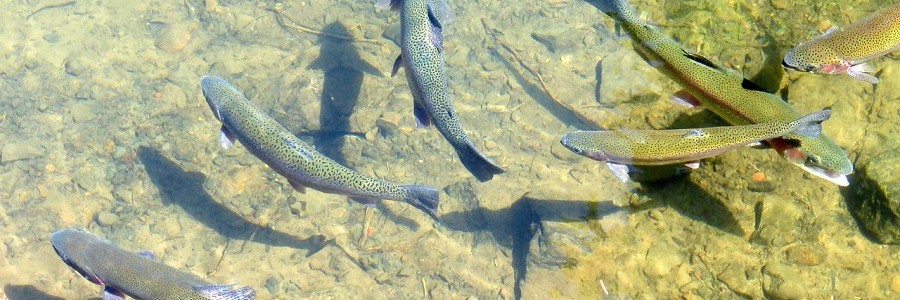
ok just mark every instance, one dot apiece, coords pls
pixel 226 137
pixel 110 293
pixel 298 186
pixel 397 64
pixel 692 165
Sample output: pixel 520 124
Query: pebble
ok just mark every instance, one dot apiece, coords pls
pixel 14 151
pixel 107 219
pixel 807 255
pixel 82 112
pixel 272 284
pixel 895 283
pixel 175 37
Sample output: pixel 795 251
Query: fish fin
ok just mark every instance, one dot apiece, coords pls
pixel 699 59
pixel 441 12
pixel 684 98
pixel 692 165
pixel 620 171
pixel 226 292
pixel 146 254
pixel 831 30
pixel 306 153
pixel 811 124
pixel 752 86
pixel 298 186
pixel 226 137
pixel 693 133
pixel 863 72
pixel 398 63
pixel 425 198
pixel 759 145
pixel 421 115
pixel 365 201
pixel 391 4
pixel 437 35
pixel 110 293
pixel 479 165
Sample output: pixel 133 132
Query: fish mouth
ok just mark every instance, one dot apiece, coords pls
pixel 833 177
pixel 785 65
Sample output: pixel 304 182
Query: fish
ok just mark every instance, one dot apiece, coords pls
pixel 729 95
pixel 422 57
pixel 845 50
pixel 297 161
pixel 137 275
pixel 674 146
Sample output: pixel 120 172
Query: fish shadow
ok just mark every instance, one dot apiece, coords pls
pixel 27 292
pixel 186 190
pixel 692 202
pixel 344 72
pixel 516 226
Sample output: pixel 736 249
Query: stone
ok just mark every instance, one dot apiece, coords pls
pixel 807 255
pixel 175 37
pixel 780 282
pixel 107 219
pixel 82 112
pixel 876 201
pixel 26 149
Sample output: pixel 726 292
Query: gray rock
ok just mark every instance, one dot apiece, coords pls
pixel 781 282
pixel 876 201
pixel 107 219
pixel 26 149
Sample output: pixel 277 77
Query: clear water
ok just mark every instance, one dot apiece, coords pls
pixel 103 127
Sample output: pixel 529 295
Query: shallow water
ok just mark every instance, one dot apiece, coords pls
pixel 103 127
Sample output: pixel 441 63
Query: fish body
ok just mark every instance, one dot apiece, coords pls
pixel 292 158
pixel 844 50
pixel 422 55
pixel 122 272
pixel 663 147
pixel 729 95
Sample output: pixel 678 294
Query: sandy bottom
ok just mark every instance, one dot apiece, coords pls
pixel 103 127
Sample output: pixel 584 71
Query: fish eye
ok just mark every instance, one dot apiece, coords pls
pixel 812 160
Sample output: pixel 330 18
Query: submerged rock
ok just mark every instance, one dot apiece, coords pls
pixel 876 203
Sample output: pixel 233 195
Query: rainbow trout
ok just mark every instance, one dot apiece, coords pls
pixel 731 96
pixel 841 50
pixel 422 55
pixel 136 275
pixel 300 163
pixel 664 147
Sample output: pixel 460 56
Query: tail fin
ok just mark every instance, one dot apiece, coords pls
pixel 477 164
pixel 226 291
pixel 811 124
pixel 422 197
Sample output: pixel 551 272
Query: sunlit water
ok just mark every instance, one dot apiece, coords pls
pixel 102 127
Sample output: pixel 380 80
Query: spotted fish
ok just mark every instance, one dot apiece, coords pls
pixel 136 275
pixel 841 50
pixel 300 163
pixel 422 55
pixel 664 147
pixel 729 95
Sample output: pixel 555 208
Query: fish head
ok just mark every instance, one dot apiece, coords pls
pixel 579 143
pixel 822 158
pixel 68 246
pixel 814 58
pixel 216 91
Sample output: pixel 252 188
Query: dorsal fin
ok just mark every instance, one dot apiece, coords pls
pixel 750 85
pixel 437 35
pixel 701 60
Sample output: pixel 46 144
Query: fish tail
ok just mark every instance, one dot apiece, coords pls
pixel 811 124
pixel 422 197
pixel 474 161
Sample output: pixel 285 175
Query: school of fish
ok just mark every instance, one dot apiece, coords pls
pixel 757 118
